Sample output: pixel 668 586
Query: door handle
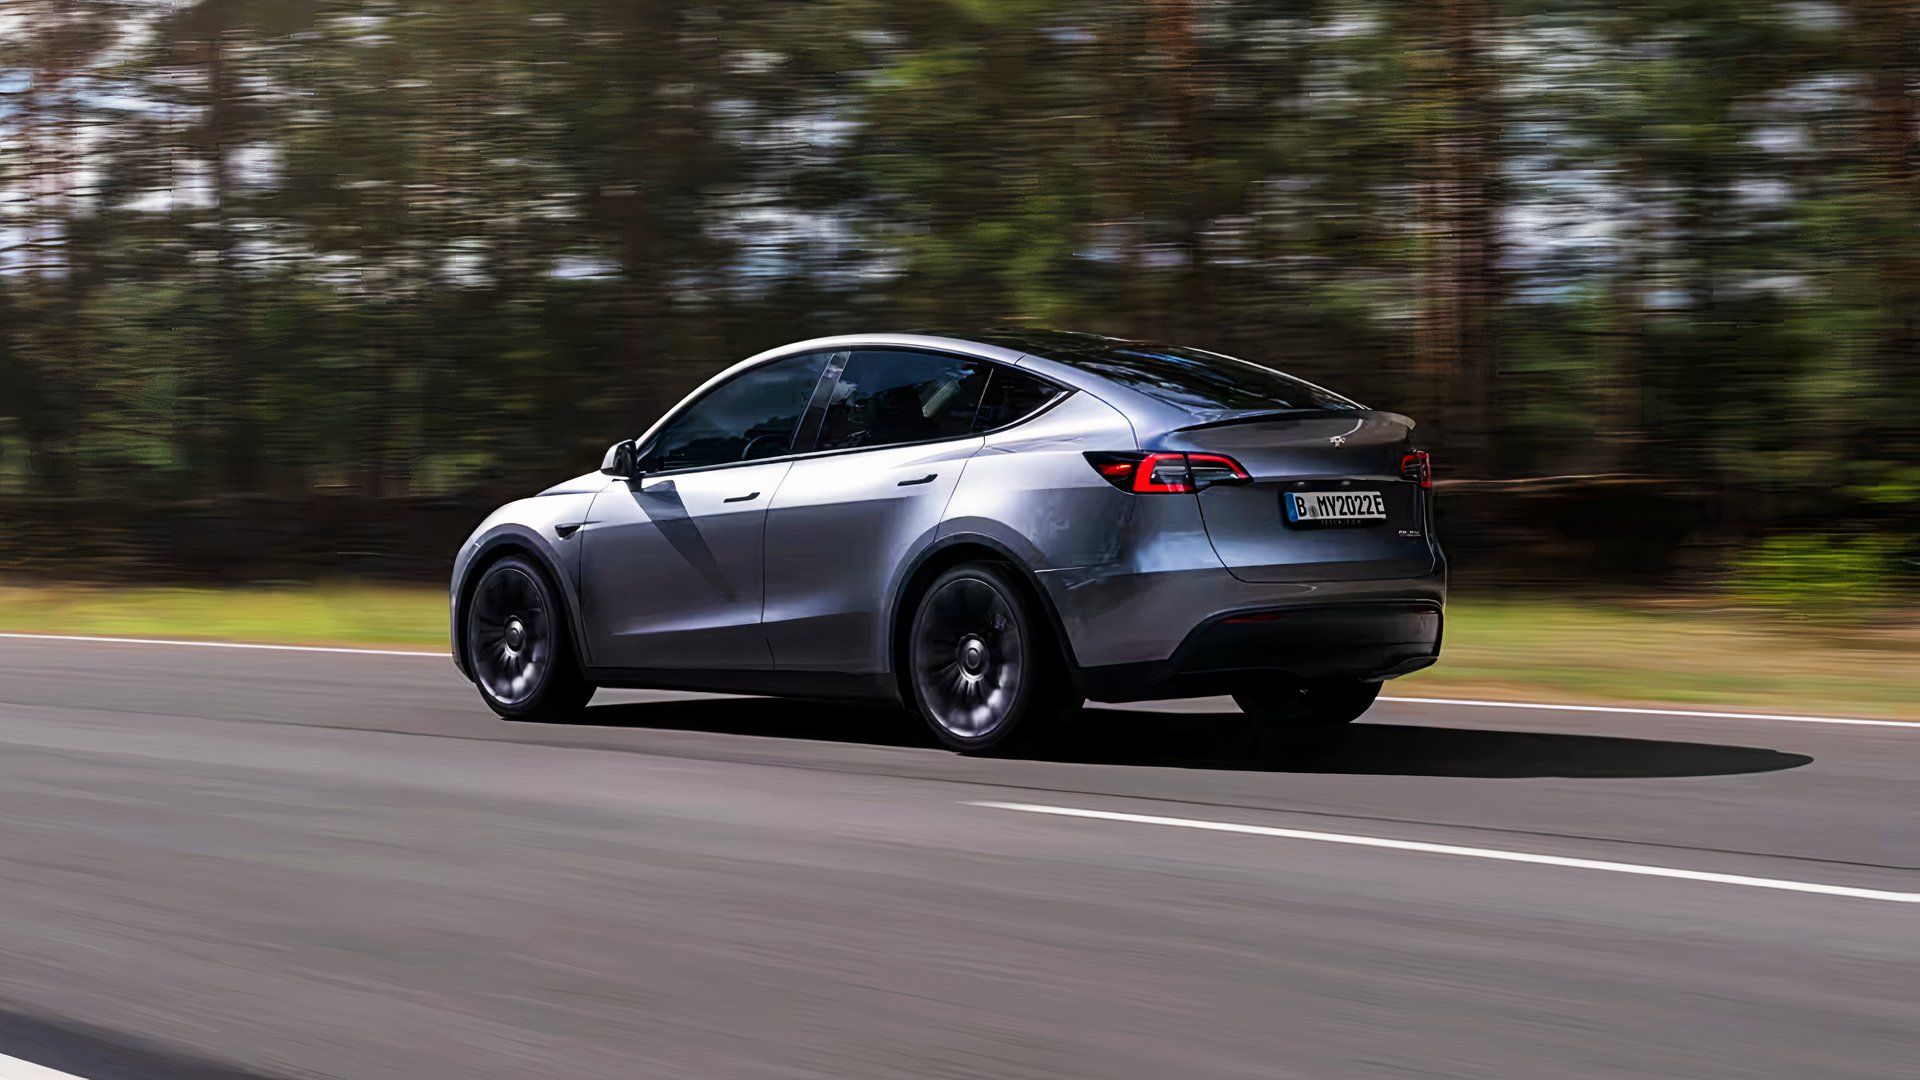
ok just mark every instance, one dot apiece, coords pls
pixel 748 497
pixel 927 479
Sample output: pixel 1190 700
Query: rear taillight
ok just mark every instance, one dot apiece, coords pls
pixel 1164 473
pixel 1210 469
pixel 1417 465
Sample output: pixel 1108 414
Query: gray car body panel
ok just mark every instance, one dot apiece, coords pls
pixel 670 584
pixel 671 569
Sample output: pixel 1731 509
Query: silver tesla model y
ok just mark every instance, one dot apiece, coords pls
pixel 990 530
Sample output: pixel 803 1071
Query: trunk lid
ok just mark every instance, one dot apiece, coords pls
pixel 1333 451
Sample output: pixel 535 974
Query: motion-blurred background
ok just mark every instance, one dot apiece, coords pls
pixel 294 291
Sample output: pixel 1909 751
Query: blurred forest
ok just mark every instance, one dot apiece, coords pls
pixel 293 286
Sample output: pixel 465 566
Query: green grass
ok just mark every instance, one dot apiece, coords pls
pixel 1518 649
pixel 1672 653
pixel 344 614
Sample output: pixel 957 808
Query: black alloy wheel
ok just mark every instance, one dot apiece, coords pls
pixel 518 647
pixel 980 667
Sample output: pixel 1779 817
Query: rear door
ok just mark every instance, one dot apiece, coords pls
pixel 1352 455
pixel 842 524
pixel 670 570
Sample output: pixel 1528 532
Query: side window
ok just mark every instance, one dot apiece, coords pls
pixel 752 416
pixel 1012 394
pixel 884 398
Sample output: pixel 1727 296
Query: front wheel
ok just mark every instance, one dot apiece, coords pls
pixel 1307 707
pixel 518 648
pixel 980 665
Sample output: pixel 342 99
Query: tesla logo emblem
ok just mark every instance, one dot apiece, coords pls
pixel 1338 440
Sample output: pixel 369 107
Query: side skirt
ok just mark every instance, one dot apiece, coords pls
pixel 824 685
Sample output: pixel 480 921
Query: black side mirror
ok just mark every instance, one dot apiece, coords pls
pixel 620 460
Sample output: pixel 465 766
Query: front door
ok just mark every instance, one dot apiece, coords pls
pixel 670 568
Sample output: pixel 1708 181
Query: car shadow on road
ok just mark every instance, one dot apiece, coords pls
pixel 80 1049
pixel 1406 750
pixel 1189 740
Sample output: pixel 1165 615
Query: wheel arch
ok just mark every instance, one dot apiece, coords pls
pixel 950 551
pixel 498 544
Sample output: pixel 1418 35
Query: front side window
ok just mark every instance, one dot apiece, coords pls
pixel 885 398
pixel 752 416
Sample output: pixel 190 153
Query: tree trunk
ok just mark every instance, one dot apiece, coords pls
pixel 1173 36
pixel 240 436
pixel 1456 347
pixel 1887 41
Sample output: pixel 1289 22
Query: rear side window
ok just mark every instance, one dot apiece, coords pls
pixel 1197 379
pixel 885 397
pixel 1011 395
pixel 750 417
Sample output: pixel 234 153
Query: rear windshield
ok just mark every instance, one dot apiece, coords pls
pixel 1197 379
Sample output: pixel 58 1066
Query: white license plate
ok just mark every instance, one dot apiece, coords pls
pixel 1334 506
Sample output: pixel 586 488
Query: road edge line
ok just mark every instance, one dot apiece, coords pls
pixel 1700 714
pixel 257 645
pixel 1652 711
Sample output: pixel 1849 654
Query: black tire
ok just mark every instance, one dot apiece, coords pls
pixel 982 668
pixel 519 645
pixel 1308 706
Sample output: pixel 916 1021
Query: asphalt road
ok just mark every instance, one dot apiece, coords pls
pixel 224 863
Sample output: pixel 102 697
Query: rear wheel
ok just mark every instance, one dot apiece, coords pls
pixel 980 666
pixel 518 647
pixel 1307 706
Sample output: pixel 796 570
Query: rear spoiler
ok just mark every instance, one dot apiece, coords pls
pixel 1285 414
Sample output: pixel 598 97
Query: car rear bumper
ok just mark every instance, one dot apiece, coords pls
pixel 1191 633
pixel 1365 641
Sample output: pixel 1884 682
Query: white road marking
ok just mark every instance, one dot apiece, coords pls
pixel 1468 852
pixel 1700 714
pixel 15 1069
pixel 1697 713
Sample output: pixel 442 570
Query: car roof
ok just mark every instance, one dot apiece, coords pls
pixel 885 339
pixel 1025 349
pixel 1050 342
pixel 1048 353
